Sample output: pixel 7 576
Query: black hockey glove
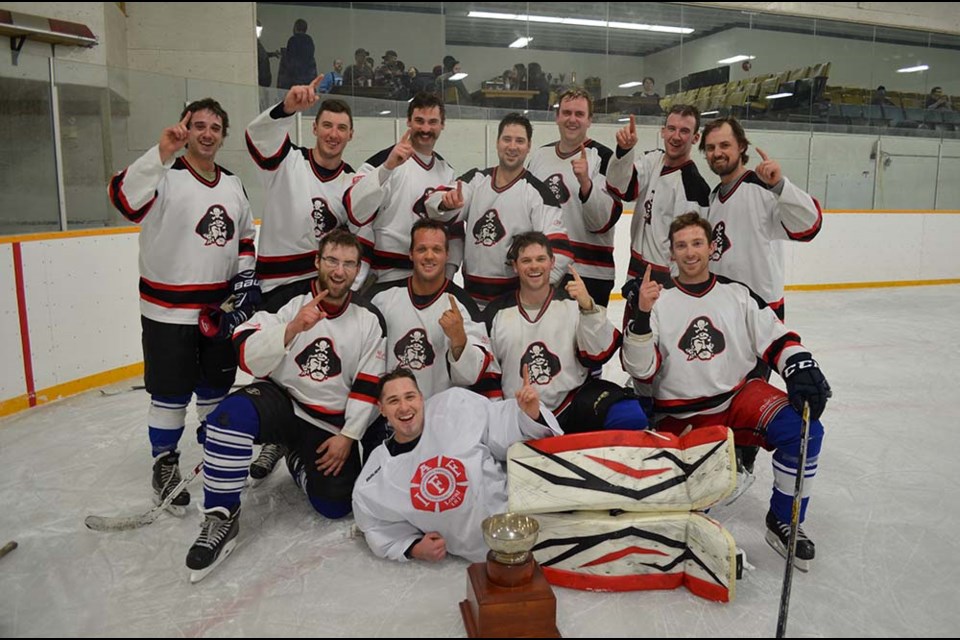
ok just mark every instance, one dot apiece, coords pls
pixel 244 288
pixel 806 382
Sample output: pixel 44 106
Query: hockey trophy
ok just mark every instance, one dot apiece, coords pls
pixel 507 596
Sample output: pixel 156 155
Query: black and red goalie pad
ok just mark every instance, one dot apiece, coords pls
pixel 659 480
pixel 642 471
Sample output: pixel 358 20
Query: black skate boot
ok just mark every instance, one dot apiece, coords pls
pixel 263 466
pixel 778 537
pixel 218 534
pixel 166 477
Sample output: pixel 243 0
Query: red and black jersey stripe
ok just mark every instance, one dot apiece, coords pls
pixel 481 288
pixel 592 254
pixel 694 405
pixel 365 388
pixel 189 296
pixel 269 267
pixel 119 201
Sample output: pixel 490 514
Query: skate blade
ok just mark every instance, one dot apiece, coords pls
pixel 774 541
pixel 196 575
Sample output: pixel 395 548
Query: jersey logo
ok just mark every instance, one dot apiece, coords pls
pixel 319 360
pixel 488 230
pixel 648 208
pixel 721 241
pixel 323 219
pixel 216 227
pixel 420 206
pixel 558 187
pixel 702 340
pixel 542 365
pixel 414 351
pixel 439 484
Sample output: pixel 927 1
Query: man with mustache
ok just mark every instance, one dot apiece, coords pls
pixel 392 182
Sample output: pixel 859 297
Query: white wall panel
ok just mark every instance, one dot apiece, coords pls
pixel 82 306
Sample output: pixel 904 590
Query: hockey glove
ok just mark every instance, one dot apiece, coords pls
pixel 805 382
pixel 218 324
pixel 244 288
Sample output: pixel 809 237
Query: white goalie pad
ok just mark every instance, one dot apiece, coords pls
pixel 639 471
pixel 595 551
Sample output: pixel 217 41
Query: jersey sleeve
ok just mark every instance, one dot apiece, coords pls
pixel 268 139
pixel 640 354
pixel 248 234
pixel 362 401
pixel 137 189
pixel 601 208
pixel 797 214
pixel 597 338
pixel 259 340
pixel 622 175
pixel 387 537
pixel 370 189
pixel 507 423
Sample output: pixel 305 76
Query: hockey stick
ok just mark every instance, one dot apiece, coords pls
pixel 140 387
pixel 125 523
pixel 794 523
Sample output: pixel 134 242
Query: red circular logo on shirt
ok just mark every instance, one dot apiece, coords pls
pixel 439 484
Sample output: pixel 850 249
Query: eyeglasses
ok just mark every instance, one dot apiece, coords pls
pixel 333 263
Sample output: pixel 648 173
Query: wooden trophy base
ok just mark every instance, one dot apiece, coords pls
pixel 527 610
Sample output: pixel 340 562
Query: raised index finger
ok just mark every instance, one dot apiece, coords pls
pixel 453 303
pixel 525 372
pixel 316 81
pixel 646 274
pixel 573 272
pixel 762 154
pixel 633 124
pixel 406 136
pixel 583 152
pixel 186 118
pixel 320 296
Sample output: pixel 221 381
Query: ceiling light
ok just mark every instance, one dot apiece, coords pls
pixel 520 43
pixel 919 67
pixel 738 58
pixel 774 96
pixel 623 119
pixel 709 113
pixel 458 76
pixel 630 85
pixel 580 22
pixel 385 113
pixel 259 30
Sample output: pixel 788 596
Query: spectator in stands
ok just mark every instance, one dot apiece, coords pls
pixel 880 97
pixel 332 78
pixel 649 99
pixel 538 82
pixel 390 74
pixel 938 100
pixel 297 64
pixel 264 76
pixel 359 74
pixel 453 91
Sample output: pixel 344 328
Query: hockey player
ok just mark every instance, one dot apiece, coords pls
pixel 495 205
pixel 427 490
pixel 304 190
pixel 558 335
pixel 665 184
pixel 698 341
pixel 433 327
pixel 196 249
pixel 393 181
pixel 320 358
pixel 752 212
pixel 574 168
pixel 304 201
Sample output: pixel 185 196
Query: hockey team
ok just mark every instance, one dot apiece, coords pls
pixel 375 373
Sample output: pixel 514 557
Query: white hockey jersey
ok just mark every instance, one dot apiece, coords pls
pixel 330 371
pixel 590 223
pixel 704 341
pixel 195 234
pixel 390 210
pixel 662 193
pixel 558 343
pixel 416 340
pixel 492 216
pixel 749 224
pixel 450 482
pixel 304 202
